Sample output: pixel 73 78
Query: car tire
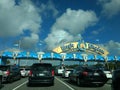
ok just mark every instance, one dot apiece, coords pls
pixel 28 84
pixel 0 81
pixel 10 80
pixel 52 84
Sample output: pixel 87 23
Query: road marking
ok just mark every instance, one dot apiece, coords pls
pixel 64 84
pixel 19 85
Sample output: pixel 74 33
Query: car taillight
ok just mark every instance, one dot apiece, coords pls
pixel 85 73
pixel 53 73
pixel 30 73
pixel 7 72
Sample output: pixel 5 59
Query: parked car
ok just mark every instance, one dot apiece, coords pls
pixel 107 72
pixel 66 73
pixel 24 72
pixel 116 80
pixel 10 72
pixel 1 75
pixel 41 73
pixel 59 70
pixel 88 75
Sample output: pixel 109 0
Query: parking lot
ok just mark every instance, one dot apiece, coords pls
pixel 60 84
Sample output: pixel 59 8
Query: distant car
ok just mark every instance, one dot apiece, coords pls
pixel 24 72
pixel 41 73
pixel 66 73
pixel 116 80
pixel 10 73
pixel 88 75
pixel 59 70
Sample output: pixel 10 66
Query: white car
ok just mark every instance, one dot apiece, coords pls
pixel 107 72
pixel 24 72
pixel 66 73
pixel 59 70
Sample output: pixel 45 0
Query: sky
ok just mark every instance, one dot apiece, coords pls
pixel 42 25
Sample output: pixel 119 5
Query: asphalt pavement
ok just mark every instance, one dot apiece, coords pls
pixel 60 84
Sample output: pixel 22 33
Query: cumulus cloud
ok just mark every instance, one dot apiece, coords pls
pixel 113 47
pixel 16 19
pixel 96 32
pixel 110 7
pixel 29 42
pixel 49 6
pixel 69 25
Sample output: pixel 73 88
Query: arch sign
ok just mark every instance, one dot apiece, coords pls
pixel 82 47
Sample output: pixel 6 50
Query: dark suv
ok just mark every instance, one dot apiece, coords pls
pixel 41 73
pixel 116 80
pixel 88 75
pixel 10 73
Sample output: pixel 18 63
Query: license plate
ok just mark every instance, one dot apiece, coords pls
pixel 41 74
pixel 96 74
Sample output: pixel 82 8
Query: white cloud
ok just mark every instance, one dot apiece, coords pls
pixel 58 37
pixel 14 19
pixel 29 42
pixel 49 6
pixel 113 47
pixel 96 32
pixel 110 7
pixel 69 25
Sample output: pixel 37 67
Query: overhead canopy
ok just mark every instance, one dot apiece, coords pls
pixel 56 56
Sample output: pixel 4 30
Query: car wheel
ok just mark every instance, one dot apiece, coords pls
pixel 28 84
pixel 10 80
pixel 78 82
pixel 52 84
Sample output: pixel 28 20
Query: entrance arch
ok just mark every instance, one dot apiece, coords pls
pixel 81 47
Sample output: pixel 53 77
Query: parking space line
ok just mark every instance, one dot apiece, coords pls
pixel 64 84
pixel 20 85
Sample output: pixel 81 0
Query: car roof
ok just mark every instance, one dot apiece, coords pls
pixel 46 64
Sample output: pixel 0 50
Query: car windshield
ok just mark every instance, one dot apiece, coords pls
pixel 4 68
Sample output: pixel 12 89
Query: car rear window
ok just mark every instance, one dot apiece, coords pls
pixel 41 67
pixel 4 68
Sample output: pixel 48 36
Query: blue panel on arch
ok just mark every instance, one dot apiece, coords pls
pixel 118 58
pixel 33 55
pixel 69 56
pixel 111 58
pixel 56 55
pixel 7 54
pixel 46 55
pixel 79 56
pixel 91 57
pixel 99 58
pixel 22 54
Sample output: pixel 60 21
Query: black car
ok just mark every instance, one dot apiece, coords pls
pixel 41 73
pixel 1 75
pixel 88 75
pixel 10 73
pixel 116 80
